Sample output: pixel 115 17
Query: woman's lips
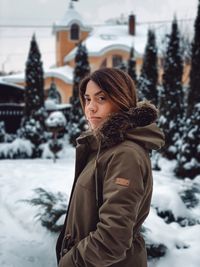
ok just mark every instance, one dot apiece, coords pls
pixel 94 118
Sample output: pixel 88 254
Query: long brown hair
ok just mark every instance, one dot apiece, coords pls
pixel 116 83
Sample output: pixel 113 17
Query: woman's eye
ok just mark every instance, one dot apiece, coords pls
pixel 87 100
pixel 102 98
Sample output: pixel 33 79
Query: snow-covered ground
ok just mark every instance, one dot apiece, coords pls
pixel 182 242
pixel 24 242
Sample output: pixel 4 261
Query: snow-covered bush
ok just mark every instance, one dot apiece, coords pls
pixel 4 136
pixel 19 148
pixel 2 131
pixel 155 250
pixel 52 208
pixel 188 164
pixel 174 213
pixel 190 194
pixel 34 131
pixel 55 123
pixel 170 203
pixel 56 120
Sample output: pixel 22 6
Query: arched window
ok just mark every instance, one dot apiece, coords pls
pixel 116 60
pixel 74 32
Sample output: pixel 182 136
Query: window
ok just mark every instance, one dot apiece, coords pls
pixel 116 60
pixel 74 32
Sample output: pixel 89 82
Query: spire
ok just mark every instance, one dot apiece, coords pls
pixel 71 14
pixel 71 5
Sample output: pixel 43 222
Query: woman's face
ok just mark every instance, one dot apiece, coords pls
pixel 97 105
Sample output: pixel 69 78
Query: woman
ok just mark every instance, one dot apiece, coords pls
pixel 112 190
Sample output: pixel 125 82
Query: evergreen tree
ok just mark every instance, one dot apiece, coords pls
pixel 33 131
pixel 77 120
pixel 132 65
pixel 147 83
pixel 34 93
pixel 53 93
pixel 33 123
pixel 52 206
pixel 171 98
pixel 189 154
pixel 193 94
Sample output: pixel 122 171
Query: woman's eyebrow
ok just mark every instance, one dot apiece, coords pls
pixel 97 93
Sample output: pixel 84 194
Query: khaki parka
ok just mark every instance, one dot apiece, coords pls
pixel 112 168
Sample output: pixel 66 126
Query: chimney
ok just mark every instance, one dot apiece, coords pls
pixel 131 24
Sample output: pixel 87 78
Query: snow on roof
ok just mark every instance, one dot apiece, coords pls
pixel 109 37
pixel 4 82
pixel 64 73
pixel 50 104
pixel 14 78
pixel 71 16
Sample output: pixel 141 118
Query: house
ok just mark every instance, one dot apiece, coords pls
pixel 108 45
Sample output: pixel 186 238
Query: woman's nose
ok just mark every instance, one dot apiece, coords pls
pixel 92 106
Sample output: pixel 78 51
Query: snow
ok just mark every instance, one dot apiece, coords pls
pixel 24 242
pixel 50 104
pixel 64 73
pixel 9 150
pixel 106 37
pixel 166 196
pixel 56 119
pixel 71 16
pixel 182 242
pixel 191 164
pixel 3 81
pixel 14 78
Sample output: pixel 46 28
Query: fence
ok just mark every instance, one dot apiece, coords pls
pixel 12 115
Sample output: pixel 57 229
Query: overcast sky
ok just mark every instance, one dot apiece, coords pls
pixel 95 11
pixel 46 12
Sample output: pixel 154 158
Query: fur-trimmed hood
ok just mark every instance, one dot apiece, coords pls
pixel 137 124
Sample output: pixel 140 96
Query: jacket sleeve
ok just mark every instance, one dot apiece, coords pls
pixel 123 190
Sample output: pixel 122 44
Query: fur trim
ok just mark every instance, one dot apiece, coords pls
pixel 113 130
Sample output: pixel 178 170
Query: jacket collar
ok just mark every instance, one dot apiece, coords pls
pixel 114 129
